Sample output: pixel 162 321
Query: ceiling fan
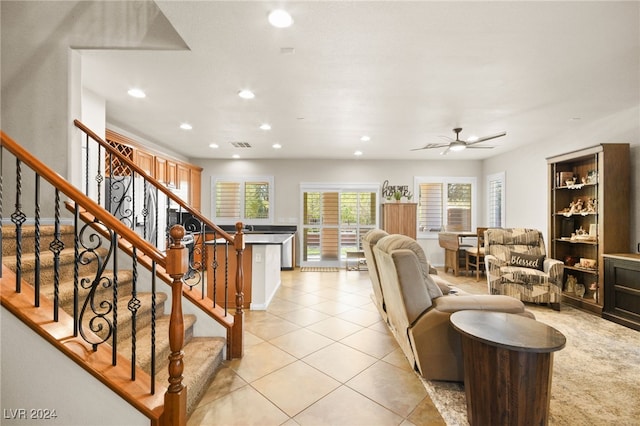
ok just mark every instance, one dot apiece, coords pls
pixel 458 145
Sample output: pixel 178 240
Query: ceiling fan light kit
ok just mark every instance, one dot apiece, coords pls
pixel 457 145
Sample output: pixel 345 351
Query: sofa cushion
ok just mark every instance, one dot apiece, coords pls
pixel 526 260
pixel 399 242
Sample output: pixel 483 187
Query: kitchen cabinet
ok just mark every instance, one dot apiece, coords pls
pixel 167 170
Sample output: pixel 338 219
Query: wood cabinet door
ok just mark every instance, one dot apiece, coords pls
pixel 145 161
pixel 172 173
pixel 194 188
pixel 161 170
pixel 183 178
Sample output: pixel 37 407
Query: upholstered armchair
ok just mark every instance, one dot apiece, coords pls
pixel 369 240
pixel 418 311
pixel 517 266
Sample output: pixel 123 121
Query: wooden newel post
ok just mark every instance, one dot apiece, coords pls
pixel 237 344
pixel 175 399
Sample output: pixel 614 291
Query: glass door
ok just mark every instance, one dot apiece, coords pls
pixel 334 221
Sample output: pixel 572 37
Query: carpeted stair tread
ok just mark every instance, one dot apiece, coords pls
pixel 203 356
pixel 28 238
pixel 143 317
pixel 143 343
pixel 65 290
pixel 47 259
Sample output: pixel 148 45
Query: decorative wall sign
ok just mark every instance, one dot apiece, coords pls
pixel 389 190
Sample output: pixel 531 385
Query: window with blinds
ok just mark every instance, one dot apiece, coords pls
pixel 242 199
pixel 495 200
pixel 445 204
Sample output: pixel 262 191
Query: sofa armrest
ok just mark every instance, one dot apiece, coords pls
pixel 496 303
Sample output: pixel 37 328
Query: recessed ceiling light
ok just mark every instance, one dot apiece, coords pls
pixel 287 50
pixel 186 126
pixel 575 119
pixel 265 126
pixel 235 156
pixel 280 18
pixel 357 153
pixel 276 146
pixel 365 138
pixel 213 145
pixel 137 93
pixel 246 94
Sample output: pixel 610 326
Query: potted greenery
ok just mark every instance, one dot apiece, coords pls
pixel 397 195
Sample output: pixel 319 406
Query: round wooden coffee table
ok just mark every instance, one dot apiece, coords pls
pixel 508 363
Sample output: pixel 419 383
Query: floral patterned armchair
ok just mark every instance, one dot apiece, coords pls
pixel 517 266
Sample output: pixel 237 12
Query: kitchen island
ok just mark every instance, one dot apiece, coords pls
pixel 261 264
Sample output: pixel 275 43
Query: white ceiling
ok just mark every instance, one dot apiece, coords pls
pixel 403 73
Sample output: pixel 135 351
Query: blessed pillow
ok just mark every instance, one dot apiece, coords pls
pixel 526 260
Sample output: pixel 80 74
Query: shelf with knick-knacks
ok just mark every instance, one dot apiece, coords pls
pixel 588 216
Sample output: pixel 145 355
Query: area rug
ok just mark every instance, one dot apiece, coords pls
pixel 318 269
pixel 596 377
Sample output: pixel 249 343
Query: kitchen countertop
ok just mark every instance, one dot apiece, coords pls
pixel 257 239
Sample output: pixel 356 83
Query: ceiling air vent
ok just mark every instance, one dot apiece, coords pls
pixel 241 144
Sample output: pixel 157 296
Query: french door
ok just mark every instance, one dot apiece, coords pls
pixel 334 219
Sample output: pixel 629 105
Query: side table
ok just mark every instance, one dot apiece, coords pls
pixel 508 363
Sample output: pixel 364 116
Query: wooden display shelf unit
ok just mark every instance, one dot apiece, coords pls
pixel 594 201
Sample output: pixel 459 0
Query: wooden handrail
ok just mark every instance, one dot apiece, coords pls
pixel 85 202
pixel 235 337
pixel 153 181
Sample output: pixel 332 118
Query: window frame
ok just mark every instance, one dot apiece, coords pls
pixel 242 181
pixel 496 177
pixel 445 180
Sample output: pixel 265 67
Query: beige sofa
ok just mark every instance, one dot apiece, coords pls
pixel 418 312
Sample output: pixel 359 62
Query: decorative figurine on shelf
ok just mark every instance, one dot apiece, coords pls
pixel 574 208
pixel 570 285
pixel 592 205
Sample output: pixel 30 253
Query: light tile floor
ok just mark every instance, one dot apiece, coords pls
pixel 319 355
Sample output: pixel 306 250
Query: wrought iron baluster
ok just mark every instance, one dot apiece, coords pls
pixel 76 268
pixel 99 309
pixel 153 326
pixel 134 305
pixel 226 277
pixel 214 265
pixel 56 246
pixel 99 177
pixel 86 166
pixel 114 340
pixel 145 210
pixel 37 243
pixel 18 218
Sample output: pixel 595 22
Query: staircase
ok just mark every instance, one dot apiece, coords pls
pixel 204 354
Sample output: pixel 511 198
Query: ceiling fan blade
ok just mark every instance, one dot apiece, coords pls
pixel 486 138
pixel 480 147
pixel 445 151
pixel 431 145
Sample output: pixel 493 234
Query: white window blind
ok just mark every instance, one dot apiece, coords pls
pixel 445 204
pixel 242 199
pixel 495 200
